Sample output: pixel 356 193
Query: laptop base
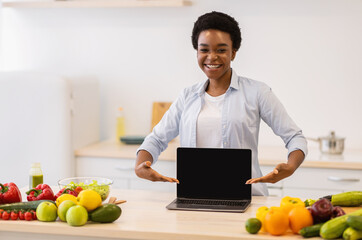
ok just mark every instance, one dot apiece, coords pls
pixel 174 205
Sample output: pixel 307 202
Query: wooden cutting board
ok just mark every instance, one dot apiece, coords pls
pixel 158 110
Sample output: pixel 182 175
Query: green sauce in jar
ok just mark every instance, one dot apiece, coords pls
pixel 35 180
pixel 35 175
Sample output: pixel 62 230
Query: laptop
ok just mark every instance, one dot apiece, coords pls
pixel 213 179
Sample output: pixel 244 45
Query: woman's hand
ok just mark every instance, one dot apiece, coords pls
pixel 145 171
pixel 282 170
pixel 143 168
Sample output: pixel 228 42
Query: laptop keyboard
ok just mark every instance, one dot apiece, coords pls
pixel 211 202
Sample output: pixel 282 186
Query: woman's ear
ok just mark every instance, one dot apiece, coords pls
pixel 233 54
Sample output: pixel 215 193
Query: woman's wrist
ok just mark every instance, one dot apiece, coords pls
pixel 295 159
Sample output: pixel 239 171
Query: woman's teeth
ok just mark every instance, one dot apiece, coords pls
pixel 213 66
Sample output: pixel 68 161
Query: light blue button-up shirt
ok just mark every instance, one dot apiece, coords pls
pixel 246 103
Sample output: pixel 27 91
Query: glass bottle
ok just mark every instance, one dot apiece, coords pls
pixel 120 124
pixel 35 175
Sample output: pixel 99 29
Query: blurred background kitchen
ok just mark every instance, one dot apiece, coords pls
pixel 308 51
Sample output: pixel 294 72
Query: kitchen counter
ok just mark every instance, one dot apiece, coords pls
pixel 144 216
pixel 268 156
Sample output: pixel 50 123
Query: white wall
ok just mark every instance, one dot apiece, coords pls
pixel 308 51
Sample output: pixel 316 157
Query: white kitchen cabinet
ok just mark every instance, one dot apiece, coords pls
pixel 316 182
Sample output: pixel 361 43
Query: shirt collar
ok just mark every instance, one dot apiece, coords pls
pixel 233 84
pixel 234 80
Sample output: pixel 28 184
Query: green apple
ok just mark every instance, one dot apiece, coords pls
pixel 63 208
pixel 77 216
pixel 46 212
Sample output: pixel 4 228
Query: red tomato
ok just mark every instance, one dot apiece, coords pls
pixel 6 215
pixel 21 215
pixel 28 216
pixel 78 189
pixel 1 212
pixel 33 213
pixel 14 215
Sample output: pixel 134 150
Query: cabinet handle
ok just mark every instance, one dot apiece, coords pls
pixel 124 168
pixel 339 179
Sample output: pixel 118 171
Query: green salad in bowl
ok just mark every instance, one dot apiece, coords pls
pixel 98 184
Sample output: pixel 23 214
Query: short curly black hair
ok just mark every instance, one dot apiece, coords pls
pixel 218 21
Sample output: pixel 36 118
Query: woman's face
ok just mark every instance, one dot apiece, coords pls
pixel 215 53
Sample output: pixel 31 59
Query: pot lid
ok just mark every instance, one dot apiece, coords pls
pixel 332 136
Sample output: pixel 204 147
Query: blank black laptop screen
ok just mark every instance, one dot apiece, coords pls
pixel 214 173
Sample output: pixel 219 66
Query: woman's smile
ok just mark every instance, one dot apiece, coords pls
pixel 213 66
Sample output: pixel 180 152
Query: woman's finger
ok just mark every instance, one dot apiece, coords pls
pixel 147 164
pixel 169 179
pixel 254 180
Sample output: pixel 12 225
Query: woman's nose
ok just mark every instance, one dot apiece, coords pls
pixel 212 56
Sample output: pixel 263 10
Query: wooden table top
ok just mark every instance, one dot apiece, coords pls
pixel 144 216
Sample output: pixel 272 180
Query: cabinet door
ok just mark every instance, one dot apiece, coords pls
pixel 327 179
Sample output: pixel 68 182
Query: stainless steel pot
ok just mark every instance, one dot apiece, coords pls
pixel 330 144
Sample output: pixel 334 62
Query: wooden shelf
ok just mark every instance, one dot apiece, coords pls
pixel 94 3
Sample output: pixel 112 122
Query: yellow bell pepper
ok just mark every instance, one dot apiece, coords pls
pixel 288 203
pixel 260 214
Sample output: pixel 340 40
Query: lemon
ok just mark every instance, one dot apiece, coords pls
pixel 64 197
pixel 253 225
pixel 89 199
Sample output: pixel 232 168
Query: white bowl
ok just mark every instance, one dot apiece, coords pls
pixel 98 184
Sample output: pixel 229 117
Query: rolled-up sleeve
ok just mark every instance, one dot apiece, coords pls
pixel 274 114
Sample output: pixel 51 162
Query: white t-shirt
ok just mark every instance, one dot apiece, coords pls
pixel 208 128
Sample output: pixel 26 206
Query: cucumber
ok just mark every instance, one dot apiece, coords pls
pixel 355 222
pixel 352 234
pixel 335 227
pixel 32 205
pixel 311 231
pixel 106 213
pixel 347 199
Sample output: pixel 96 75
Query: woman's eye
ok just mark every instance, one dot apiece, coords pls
pixel 221 50
pixel 203 50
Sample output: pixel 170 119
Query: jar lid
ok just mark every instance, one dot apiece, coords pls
pixel 332 137
pixel 35 165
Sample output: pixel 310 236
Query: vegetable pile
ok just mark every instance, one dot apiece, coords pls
pixel 322 217
pixel 75 204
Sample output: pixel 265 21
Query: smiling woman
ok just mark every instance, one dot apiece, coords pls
pixel 224 111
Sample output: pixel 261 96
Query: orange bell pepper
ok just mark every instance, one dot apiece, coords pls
pixel 288 203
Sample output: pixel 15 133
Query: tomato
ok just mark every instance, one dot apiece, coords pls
pixel 33 214
pixel 28 216
pixel 21 215
pixel 6 215
pixel 14 215
pixel 78 189
pixel 1 212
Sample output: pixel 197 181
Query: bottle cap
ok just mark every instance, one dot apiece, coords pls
pixel 35 165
